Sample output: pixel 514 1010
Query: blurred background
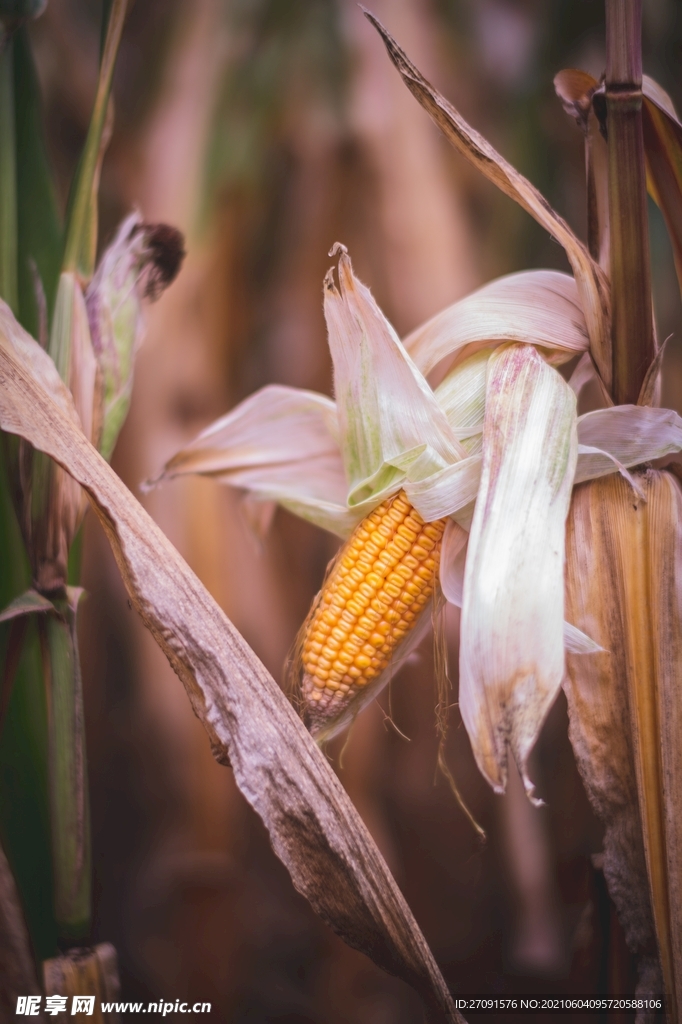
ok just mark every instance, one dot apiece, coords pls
pixel 266 130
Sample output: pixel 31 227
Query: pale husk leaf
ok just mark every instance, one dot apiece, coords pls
pixel 594 462
pixel 313 826
pixel 536 307
pixel 446 492
pixel 451 573
pixel 388 417
pixel 585 373
pixel 511 636
pixel 461 396
pixel 592 283
pixel 632 434
pixel 280 444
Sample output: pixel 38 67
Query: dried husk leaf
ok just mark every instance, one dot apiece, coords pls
pixel 17 971
pixel 313 827
pixel 623 587
pixel 536 307
pixel 592 283
pixel 280 444
pixel 511 635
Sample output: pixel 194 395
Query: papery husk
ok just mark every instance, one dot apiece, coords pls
pixel 625 706
pixel 511 659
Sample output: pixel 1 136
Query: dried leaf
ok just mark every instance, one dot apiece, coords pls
pixel 650 393
pixel 575 88
pixel 511 635
pixel 17 972
pixel 576 91
pixel 81 229
pixel 592 283
pixel 313 827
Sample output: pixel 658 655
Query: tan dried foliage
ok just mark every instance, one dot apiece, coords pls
pixel 313 826
pixel 623 588
pixel 592 282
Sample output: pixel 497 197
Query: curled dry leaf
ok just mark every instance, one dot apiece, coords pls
pixel 592 283
pixel 17 973
pixel 622 585
pixel 313 826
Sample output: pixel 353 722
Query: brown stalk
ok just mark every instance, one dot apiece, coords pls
pixel 633 351
pixel 632 324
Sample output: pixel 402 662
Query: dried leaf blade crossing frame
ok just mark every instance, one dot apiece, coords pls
pixel 313 826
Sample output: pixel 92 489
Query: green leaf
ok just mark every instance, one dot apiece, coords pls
pixel 81 234
pixel 8 182
pixel 28 603
pixel 69 806
pixel 40 234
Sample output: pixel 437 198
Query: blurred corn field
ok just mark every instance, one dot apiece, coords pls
pixel 265 130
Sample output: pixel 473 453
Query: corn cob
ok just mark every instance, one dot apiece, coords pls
pixel 373 597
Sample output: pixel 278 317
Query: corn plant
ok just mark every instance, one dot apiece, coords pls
pixel 89 322
pixel 550 530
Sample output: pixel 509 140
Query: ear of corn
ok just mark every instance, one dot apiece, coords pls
pixel 371 602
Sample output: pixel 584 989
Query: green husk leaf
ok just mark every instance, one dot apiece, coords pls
pixel 8 179
pixel 81 229
pixel 27 604
pixel 40 234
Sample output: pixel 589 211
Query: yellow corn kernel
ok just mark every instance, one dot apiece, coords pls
pixel 371 600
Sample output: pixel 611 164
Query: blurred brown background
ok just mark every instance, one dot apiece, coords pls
pixel 267 130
